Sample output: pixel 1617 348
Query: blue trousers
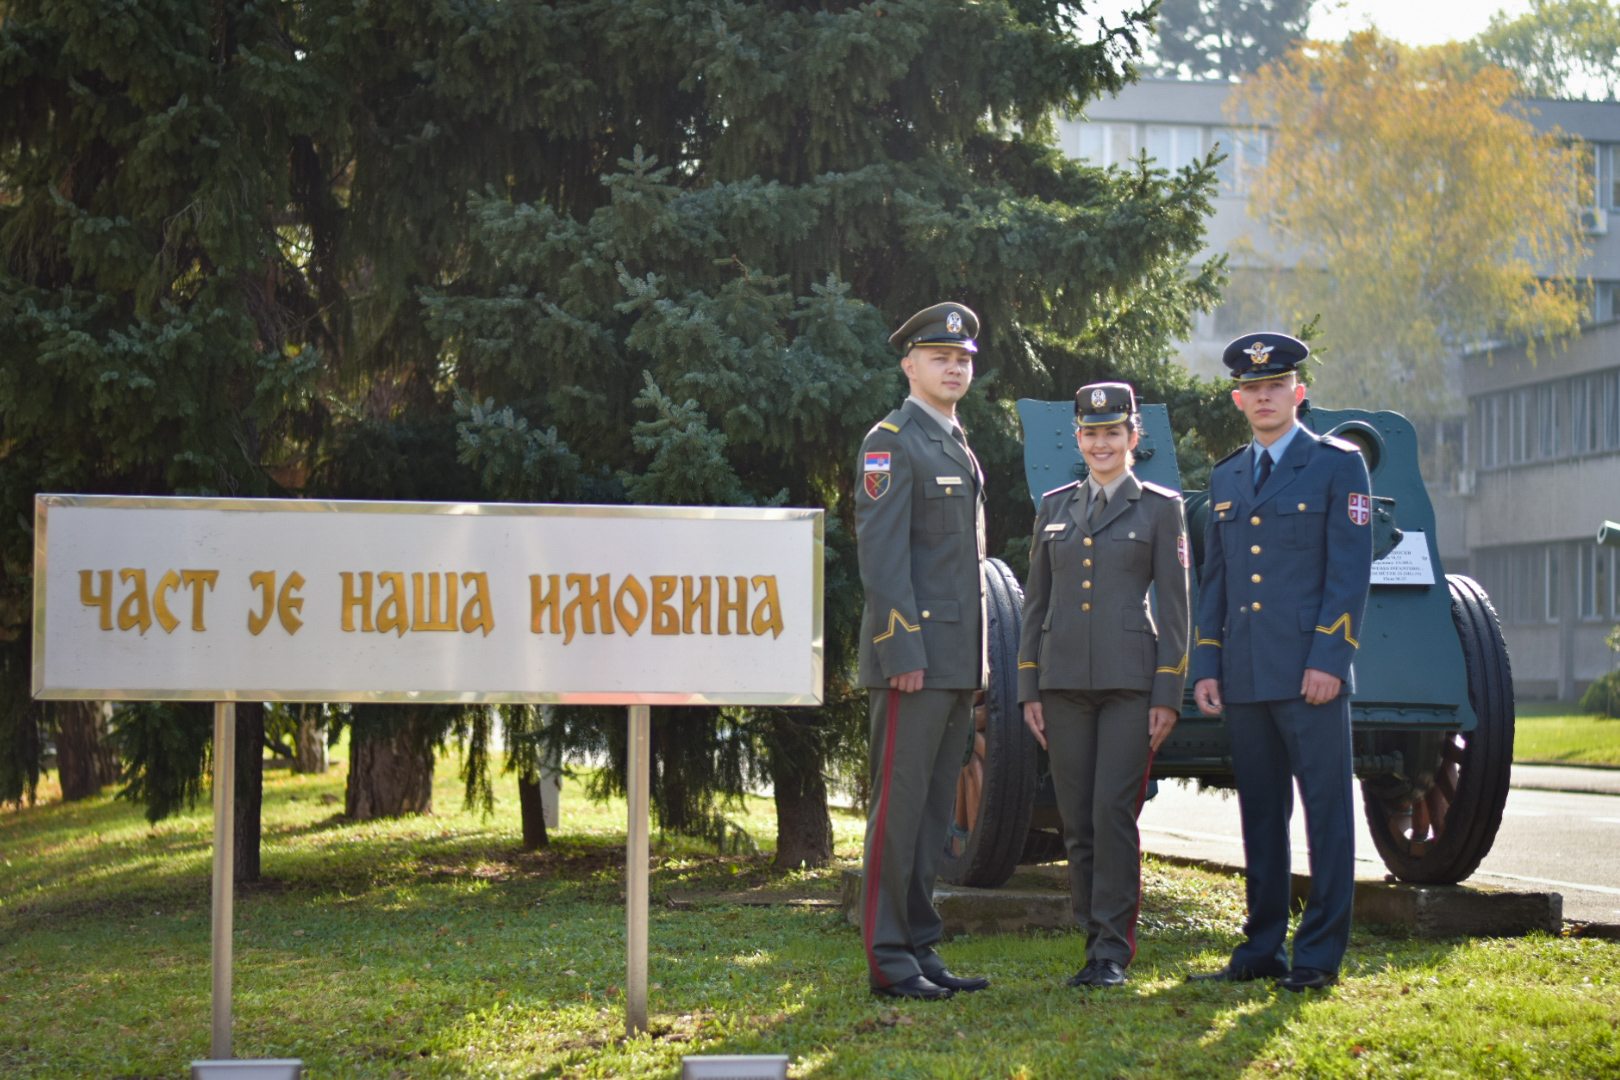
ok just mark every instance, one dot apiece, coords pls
pixel 1275 743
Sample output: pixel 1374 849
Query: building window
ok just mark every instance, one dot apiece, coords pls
pixel 1551 610
pixel 1246 150
pixel 1547 419
pixel 1596 581
pixel 1175 146
pixel 1108 144
pixel 1518 423
pixel 1487 425
pixel 1528 582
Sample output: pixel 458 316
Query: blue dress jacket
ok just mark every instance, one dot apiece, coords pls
pixel 1286 570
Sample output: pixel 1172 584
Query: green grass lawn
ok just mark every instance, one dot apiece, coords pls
pixel 1550 732
pixel 433 947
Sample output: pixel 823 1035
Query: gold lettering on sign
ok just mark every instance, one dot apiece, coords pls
pixel 541 602
pixel 169 582
pixel 264 580
pixel 433 621
pixel 352 600
pixel 484 619
pixel 391 613
pixel 739 606
pixel 694 604
pixel 631 588
pixel 586 602
pixel 287 605
pixel 135 610
pixel 630 606
pixel 768 615
pixel 664 619
pixel 195 580
pixel 103 600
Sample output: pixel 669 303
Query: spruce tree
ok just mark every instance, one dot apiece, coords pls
pixel 600 250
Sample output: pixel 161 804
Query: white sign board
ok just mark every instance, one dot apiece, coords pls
pixel 1407 564
pixel 302 600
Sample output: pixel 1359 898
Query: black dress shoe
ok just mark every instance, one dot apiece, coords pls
pixel 1229 974
pixel 918 987
pixel 1100 973
pixel 1084 976
pixel 956 982
pixel 1303 978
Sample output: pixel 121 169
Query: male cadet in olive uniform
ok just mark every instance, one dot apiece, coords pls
pixel 1287 562
pixel 1094 664
pixel 919 521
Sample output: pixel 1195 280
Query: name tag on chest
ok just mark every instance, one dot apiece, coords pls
pixel 947 479
pixel 1056 528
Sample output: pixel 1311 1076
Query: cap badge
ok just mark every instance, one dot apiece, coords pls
pixel 1099 398
pixel 953 323
pixel 1258 352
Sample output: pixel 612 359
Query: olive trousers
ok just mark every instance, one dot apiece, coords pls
pixel 1098 744
pixel 919 741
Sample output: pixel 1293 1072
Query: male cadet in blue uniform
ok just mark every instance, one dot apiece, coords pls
pixel 1287 560
pixel 919 522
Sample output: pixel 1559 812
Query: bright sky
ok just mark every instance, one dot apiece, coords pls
pixel 1415 22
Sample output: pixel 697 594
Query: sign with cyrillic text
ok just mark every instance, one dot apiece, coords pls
pixel 303 600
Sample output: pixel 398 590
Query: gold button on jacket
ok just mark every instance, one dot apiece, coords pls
pixel 1087 625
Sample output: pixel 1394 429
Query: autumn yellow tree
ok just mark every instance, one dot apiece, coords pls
pixel 1424 214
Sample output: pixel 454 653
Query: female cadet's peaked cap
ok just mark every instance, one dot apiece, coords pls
pixel 943 324
pixel 1264 355
pixel 1101 403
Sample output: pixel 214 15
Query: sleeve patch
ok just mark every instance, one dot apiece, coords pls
pixel 877 485
pixel 1183 552
pixel 1360 508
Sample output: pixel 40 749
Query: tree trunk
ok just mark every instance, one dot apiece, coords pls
pixel 249 787
pixel 532 808
pixel 310 741
pixel 85 760
pixel 803 825
pixel 390 770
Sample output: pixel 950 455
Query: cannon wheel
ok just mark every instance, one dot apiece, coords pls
pixel 996 789
pixel 1441 826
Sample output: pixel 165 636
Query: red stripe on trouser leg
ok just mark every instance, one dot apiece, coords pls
pixel 874 869
pixel 1141 797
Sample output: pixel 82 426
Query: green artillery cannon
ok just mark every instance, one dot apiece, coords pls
pixel 1609 534
pixel 1432 715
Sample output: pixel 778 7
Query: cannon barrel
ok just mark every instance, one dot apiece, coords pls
pixel 1609 534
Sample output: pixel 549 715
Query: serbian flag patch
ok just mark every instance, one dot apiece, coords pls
pixel 877 461
pixel 877 484
pixel 1360 508
pixel 1182 553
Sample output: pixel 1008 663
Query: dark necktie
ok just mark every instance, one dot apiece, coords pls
pixel 1098 502
pixel 1265 470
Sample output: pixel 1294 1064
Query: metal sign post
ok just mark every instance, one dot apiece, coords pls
pixel 636 854
pixel 224 870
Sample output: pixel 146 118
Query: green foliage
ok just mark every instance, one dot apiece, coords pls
pixel 1603 696
pixel 1226 39
pixel 1558 49
pixel 164 747
pixel 593 250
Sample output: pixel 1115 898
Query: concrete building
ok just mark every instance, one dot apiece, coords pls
pixel 1519 484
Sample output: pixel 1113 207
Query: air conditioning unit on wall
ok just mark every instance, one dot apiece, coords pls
pixel 1595 221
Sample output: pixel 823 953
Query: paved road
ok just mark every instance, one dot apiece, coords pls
pixel 1565 841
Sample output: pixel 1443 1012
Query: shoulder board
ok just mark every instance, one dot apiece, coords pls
pixel 893 422
pixel 1232 455
pixel 1060 490
pixel 1340 444
pixel 1159 489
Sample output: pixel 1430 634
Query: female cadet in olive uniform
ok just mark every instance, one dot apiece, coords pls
pixel 1101 685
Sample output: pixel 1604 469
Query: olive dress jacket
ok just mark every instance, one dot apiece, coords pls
pixel 1087 625
pixel 919 520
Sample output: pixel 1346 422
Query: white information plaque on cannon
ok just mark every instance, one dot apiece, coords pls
pixel 304 600
pixel 1407 564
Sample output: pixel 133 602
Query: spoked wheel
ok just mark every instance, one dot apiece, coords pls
pixel 996 788
pixel 1437 820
